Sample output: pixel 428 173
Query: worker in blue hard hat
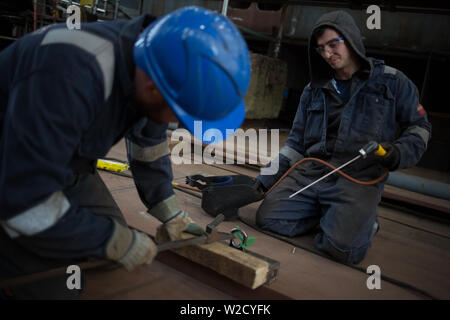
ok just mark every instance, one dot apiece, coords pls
pixel 67 96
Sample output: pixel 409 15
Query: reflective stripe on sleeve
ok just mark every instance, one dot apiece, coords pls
pixel 421 132
pixel 291 154
pixel 101 48
pixel 38 218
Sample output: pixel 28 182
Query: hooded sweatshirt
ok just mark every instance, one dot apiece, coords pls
pixel 322 76
pixel 383 106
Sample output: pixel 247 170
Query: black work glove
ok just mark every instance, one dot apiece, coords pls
pixel 225 194
pixel 391 159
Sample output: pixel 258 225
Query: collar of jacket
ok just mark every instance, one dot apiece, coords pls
pixel 363 73
pixel 127 37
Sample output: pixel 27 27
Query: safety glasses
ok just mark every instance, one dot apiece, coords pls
pixel 329 46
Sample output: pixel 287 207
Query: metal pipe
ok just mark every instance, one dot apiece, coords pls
pixel 225 7
pixel 116 9
pixel 425 78
pixel 8 38
pixel 34 15
pixel 276 50
pixel 141 6
pixel 94 11
pixel 255 33
pixel 351 5
pixel 420 185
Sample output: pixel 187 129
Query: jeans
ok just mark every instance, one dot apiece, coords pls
pixel 345 211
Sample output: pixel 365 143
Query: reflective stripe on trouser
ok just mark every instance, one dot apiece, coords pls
pixel 89 191
pixel 345 211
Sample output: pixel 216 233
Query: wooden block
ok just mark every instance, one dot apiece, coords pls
pixel 246 268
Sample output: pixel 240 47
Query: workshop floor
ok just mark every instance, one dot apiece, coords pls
pixel 408 249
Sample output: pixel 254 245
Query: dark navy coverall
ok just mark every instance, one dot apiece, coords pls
pixel 65 100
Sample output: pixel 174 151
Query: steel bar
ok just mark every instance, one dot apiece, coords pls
pixel 330 173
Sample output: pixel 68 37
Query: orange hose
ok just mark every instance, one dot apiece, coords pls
pixel 296 165
pixel 328 165
pixel 185 186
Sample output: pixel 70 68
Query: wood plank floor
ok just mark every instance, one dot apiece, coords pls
pixel 404 253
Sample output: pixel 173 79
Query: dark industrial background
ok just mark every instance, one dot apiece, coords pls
pixel 414 37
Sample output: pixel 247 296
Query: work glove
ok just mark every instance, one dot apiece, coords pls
pixel 391 159
pixel 172 230
pixel 175 221
pixel 130 248
pixel 225 194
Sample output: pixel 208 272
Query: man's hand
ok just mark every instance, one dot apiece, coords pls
pixel 175 221
pixel 391 159
pixel 130 248
pixel 172 230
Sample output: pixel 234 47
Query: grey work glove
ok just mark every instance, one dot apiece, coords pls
pixel 175 221
pixel 130 248
pixel 173 229
pixel 391 159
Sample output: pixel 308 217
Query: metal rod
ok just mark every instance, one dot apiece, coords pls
pixel 425 78
pixel 225 7
pixel 141 6
pixel 34 15
pixel 8 38
pixel 276 50
pixel 309 185
pixel 94 11
pixel 116 10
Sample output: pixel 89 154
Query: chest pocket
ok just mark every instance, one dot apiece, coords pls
pixel 314 121
pixel 374 104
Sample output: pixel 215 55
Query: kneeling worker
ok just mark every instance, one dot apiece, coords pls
pixel 350 100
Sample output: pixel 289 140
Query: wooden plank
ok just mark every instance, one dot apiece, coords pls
pixel 415 198
pixel 249 270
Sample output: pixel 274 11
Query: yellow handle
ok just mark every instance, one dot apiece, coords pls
pixel 380 151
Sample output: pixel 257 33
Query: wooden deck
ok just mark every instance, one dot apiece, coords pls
pixel 409 250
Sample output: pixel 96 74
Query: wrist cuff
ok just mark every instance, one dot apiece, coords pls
pixel 166 210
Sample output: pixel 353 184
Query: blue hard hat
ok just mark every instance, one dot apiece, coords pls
pixel 200 63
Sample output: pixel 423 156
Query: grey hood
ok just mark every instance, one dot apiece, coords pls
pixel 320 71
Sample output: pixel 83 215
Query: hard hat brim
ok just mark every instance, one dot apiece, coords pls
pixel 225 126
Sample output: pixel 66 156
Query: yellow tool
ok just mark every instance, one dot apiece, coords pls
pixel 380 151
pixel 110 165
